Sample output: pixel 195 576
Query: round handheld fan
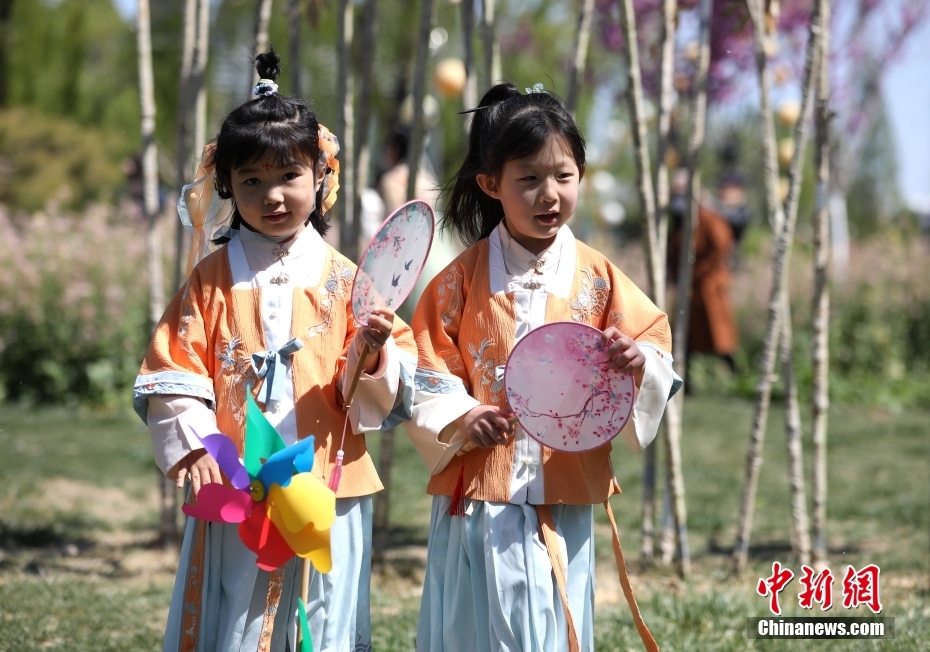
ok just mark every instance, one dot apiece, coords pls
pixel 562 390
pixel 391 263
pixel 390 266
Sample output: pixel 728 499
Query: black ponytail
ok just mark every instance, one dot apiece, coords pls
pixel 506 125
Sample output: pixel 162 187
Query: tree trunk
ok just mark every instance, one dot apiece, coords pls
pixel 492 49
pixel 783 223
pixel 470 93
pixel 345 128
pixel 381 518
pixel 821 316
pixel 685 268
pixel 582 38
pixel 419 90
pixel 167 525
pixel 260 37
pixel 634 93
pixel 6 37
pixel 185 126
pixel 800 532
pixel 666 101
pixel 199 81
pixel 293 45
pixel 661 184
pixel 362 158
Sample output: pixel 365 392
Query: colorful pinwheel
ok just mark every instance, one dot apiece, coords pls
pixel 282 509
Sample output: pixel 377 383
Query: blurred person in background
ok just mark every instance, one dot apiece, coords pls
pixel 391 188
pixel 711 326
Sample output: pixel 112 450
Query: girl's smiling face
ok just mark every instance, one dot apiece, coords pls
pixel 275 200
pixel 538 193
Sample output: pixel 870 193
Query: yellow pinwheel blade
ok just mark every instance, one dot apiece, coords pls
pixel 309 542
pixel 304 501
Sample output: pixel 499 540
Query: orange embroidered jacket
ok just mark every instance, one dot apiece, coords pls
pixel 465 329
pixel 202 347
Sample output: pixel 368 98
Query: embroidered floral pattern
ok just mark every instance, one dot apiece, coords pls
pixel 484 370
pixel 591 299
pixel 615 318
pixel 187 314
pixel 241 374
pixel 450 295
pixel 337 285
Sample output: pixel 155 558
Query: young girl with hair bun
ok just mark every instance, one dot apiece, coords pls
pixel 272 294
pixel 510 564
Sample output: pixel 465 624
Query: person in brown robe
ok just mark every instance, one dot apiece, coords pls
pixel 711 325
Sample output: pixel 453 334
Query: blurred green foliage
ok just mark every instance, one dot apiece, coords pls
pixel 879 333
pixel 44 158
pixel 73 323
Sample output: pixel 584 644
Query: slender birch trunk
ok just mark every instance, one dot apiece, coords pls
pixel 783 222
pixel 634 94
pixel 345 128
pixel 185 127
pixel 685 269
pixel 167 528
pixel 821 299
pixel 672 423
pixel 199 80
pixel 260 37
pixel 470 93
pixel 664 123
pixel 492 49
pixel 419 90
pixel 362 157
pixel 362 163
pixel 800 530
pixel 661 184
pixel 580 56
pixel 293 44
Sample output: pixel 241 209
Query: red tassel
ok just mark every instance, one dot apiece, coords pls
pixel 337 472
pixel 457 506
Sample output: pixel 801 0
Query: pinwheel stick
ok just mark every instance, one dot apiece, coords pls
pixel 347 397
pixel 304 588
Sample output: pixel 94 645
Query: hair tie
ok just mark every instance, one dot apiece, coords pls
pixel 265 87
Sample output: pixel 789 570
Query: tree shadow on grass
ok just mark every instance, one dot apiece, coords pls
pixel 770 550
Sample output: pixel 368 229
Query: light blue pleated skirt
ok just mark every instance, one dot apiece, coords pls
pixel 489 584
pixel 233 600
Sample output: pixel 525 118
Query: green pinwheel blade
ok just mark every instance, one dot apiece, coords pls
pixel 261 439
pixel 306 643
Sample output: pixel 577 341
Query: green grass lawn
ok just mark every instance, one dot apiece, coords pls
pixel 78 570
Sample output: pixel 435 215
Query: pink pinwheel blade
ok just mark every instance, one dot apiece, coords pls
pixel 562 390
pixel 391 263
pixel 220 504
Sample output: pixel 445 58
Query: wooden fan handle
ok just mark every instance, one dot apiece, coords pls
pixel 347 397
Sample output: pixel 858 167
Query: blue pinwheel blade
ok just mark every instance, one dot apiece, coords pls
pixel 224 452
pixel 279 468
pixel 303 463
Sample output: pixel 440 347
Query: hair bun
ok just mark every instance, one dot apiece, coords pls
pixel 499 93
pixel 267 64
